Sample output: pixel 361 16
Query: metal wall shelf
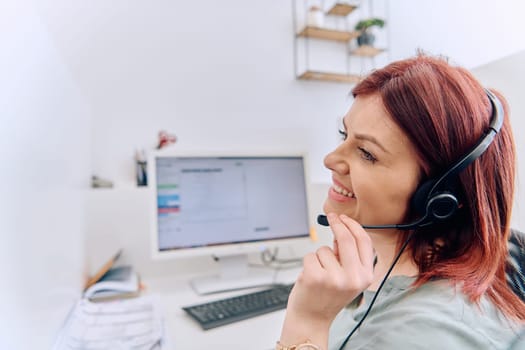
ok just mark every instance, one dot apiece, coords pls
pixel 326 76
pixel 366 51
pixel 327 34
pixel 341 9
pixel 336 31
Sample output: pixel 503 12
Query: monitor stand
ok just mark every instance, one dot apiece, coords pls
pixel 235 273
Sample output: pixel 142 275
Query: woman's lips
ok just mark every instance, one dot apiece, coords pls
pixel 334 194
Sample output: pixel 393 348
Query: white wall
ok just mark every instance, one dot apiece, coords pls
pixel 508 76
pixel 44 148
pixel 217 74
pixel 220 73
pixel 471 32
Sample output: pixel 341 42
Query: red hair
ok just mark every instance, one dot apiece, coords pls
pixel 444 111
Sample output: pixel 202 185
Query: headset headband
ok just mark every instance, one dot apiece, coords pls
pixel 496 122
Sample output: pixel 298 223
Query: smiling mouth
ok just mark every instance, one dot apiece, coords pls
pixel 342 191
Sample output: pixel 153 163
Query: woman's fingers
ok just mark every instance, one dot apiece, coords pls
pixel 363 241
pixel 355 251
pixel 311 264
pixel 346 243
pixel 316 264
pixel 336 249
pixel 328 259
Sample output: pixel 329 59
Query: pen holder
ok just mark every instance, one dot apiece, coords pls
pixel 142 173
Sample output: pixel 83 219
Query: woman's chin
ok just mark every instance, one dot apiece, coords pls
pixel 329 208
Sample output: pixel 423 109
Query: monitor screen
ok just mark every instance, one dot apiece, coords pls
pixel 213 204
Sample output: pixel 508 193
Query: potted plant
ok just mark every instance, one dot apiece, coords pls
pixel 366 37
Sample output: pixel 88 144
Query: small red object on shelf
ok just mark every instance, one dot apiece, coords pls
pixel 165 139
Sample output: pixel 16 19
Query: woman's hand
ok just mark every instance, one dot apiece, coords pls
pixel 331 278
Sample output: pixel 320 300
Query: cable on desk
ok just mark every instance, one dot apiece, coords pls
pixel 268 257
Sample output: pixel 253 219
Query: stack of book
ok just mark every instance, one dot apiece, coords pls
pixel 119 322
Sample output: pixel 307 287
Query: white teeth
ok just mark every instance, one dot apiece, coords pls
pixel 343 191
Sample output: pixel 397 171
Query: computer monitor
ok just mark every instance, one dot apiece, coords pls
pixel 227 206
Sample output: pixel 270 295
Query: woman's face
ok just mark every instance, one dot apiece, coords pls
pixel 375 170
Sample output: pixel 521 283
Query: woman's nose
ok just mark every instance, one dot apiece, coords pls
pixel 337 162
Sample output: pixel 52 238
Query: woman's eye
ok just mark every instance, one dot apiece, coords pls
pixel 367 155
pixel 343 134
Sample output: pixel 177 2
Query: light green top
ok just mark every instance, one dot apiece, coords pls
pixel 436 315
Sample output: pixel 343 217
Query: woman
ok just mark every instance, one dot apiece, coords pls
pixel 409 123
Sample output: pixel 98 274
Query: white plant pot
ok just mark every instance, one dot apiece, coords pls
pixel 315 18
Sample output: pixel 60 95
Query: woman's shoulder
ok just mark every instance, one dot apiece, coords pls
pixel 446 298
pixel 437 311
pixel 442 305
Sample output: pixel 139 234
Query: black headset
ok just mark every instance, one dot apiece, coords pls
pixel 435 200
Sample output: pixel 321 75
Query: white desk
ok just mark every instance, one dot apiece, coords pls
pixel 183 333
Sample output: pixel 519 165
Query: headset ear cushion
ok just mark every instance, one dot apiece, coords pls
pixel 420 198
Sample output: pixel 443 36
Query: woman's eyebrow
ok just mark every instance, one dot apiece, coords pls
pixel 371 139
pixel 367 137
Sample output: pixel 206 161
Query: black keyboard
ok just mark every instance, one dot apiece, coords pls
pixel 225 311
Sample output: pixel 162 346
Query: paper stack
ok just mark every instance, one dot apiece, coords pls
pixel 120 324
